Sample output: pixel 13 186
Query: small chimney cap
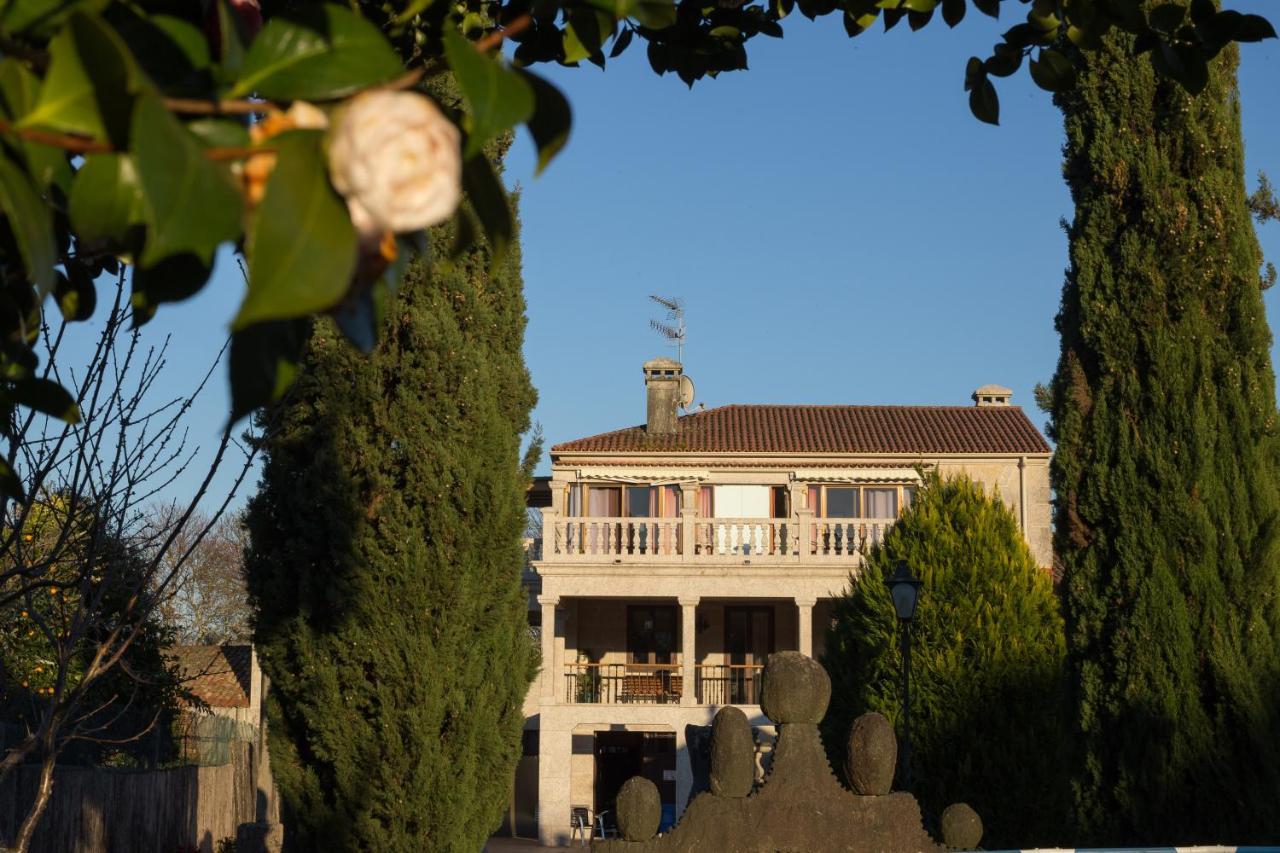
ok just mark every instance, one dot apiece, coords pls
pixel 660 365
pixel 992 395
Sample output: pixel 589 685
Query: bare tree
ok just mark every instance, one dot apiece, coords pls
pixel 84 567
pixel 208 602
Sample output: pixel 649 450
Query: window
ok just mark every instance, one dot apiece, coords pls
pixel 859 501
pixel 642 502
pixel 841 502
pixel 618 501
pixel 651 633
pixel 881 503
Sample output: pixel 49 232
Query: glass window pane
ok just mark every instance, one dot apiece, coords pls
pixel 604 502
pixel 908 495
pixel 638 500
pixel 881 503
pixel 842 502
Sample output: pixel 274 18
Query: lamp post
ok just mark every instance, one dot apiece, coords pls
pixel 904 588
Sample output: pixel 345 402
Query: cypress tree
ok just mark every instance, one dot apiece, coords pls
pixel 385 569
pixel 1164 414
pixel 987 716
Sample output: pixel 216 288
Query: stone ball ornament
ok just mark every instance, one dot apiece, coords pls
pixel 872 755
pixel 795 689
pixel 961 827
pixel 639 809
pixel 800 806
pixel 733 754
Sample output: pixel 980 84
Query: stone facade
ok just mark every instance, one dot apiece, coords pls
pixel 726 590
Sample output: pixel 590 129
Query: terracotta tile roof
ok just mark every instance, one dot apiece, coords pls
pixel 217 674
pixel 832 430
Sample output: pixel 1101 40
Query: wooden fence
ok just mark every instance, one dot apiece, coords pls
pixel 100 810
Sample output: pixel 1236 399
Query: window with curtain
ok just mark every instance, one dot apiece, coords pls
pixel 604 501
pixel 881 503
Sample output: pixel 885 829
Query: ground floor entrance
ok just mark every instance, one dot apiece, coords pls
pixel 619 755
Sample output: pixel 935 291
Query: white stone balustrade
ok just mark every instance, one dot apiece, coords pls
pixel 687 538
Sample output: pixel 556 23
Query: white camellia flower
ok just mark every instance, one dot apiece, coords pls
pixel 398 161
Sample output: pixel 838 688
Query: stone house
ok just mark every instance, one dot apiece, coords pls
pixel 676 555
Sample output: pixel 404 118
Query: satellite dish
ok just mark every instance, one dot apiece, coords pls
pixel 686 392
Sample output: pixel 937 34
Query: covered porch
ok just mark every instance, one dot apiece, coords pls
pixel 672 651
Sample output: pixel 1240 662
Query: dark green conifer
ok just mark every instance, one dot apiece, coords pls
pixel 385 569
pixel 986 714
pixel 1164 415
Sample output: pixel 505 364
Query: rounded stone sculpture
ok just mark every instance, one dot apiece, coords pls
pixel 796 689
pixel 872 755
pixel 639 809
pixel 733 754
pixel 961 827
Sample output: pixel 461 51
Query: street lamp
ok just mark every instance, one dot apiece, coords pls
pixel 904 588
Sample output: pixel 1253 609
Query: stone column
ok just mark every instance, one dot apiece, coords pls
pixel 549 671
pixel 804 625
pixel 688 649
pixel 688 518
pixel 555 757
pixel 684 769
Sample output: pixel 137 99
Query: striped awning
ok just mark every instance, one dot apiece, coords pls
pixel 857 475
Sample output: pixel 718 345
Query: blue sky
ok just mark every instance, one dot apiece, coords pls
pixel 840 228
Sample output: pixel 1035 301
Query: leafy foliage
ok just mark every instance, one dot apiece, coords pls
pixel 987 723
pixel 125 133
pixel 385 563
pixel 1164 414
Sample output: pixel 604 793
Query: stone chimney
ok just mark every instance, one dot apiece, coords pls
pixel 662 390
pixel 992 395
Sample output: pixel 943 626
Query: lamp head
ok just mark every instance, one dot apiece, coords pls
pixel 905 591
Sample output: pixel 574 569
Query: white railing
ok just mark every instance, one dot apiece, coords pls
pixel 846 537
pixel 720 537
pixel 731 540
pixel 620 537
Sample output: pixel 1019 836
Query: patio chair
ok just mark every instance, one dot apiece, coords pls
pixel 603 829
pixel 580 823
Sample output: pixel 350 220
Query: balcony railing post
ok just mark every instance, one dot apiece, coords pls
pixel 551 538
pixel 804 533
pixel 688 520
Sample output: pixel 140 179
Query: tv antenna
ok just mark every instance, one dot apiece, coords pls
pixel 673 330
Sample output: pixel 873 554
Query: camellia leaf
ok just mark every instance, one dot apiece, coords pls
pixel 621 42
pixel 189 202
pixel 317 52
pixel 75 294
pixel 46 396
pixel 1052 71
pixel 302 246
pixel 1251 28
pixel 551 120
pixel 106 198
pixel 19 89
pixel 1167 17
pixel 90 84
pixel 173 279
pixel 489 200
pixel 498 98
pixel 953 11
pixel 984 103
pixel 10 483
pixel 41 17
pixel 660 14
pixel 263 362
pixel 31 224
pixel 988 7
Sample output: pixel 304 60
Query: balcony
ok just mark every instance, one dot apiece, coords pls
pixel 660 684
pixel 709 540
